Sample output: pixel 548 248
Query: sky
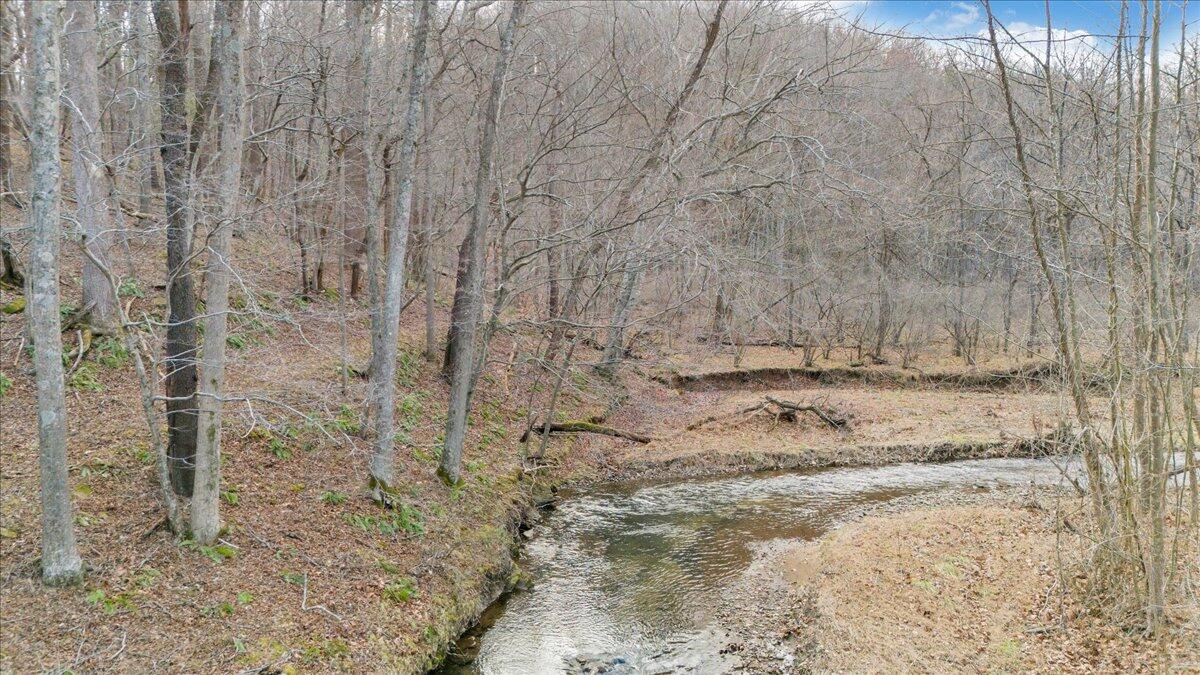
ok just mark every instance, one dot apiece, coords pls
pixel 1080 19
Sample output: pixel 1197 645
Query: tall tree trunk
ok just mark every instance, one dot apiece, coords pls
pixel 458 307
pixel 374 186
pixel 1009 291
pixel 353 212
pixel 430 270
pixel 227 48
pixel 181 297
pixel 145 114
pixel 462 348
pixel 1032 340
pixel 614 351
pixel 60 559
pixel 87 160
pixel 1154 476
pixel 7 26
pixel 555 222
pixel 382 459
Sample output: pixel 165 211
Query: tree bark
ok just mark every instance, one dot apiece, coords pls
pixel 181 340
pixel 430 270
pixel 374 186
pixel 227 48
pixel 61 563
pixel 461 349
pixel 7 189
pixel 145 114
pixel 87 161
pixel 614 350
pixel 384 363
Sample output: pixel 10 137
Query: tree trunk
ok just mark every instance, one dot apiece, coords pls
pixel 87 161
pixel 614 350
pixel 7 189
pixel 60 559
pixel 181 297
pixel 384 366
pixel 145 114
pixel 1009 290
pixel 227 48
pixel 1032 341
pixel 461 349
pixel 430 270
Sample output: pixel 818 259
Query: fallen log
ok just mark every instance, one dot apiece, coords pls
pixel 830 417
pixel 579 426
pixel 783 408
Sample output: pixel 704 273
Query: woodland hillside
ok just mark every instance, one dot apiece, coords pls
pixel 309 307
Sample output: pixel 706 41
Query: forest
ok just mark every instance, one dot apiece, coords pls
pixel 599 336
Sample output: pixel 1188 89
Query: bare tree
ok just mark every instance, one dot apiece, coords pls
pixel 460 350
pixel 384 363
pixel 227 50
pixel 182 338
pixel 88 163
pixel 61 563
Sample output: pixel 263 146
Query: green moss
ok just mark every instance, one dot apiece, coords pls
pixel 16 306
pixel 84 379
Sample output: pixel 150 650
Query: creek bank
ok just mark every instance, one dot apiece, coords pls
pixel 1018 378
pixel 613 462
pixel 960 581
pixel 846 456
pixel 652 552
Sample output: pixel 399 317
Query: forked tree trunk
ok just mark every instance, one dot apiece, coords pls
pixel 461 348
pixel 87 160
pixel 227 47
pixel 60 559
pixel 181 297
pixel 384 363
pixel 614 350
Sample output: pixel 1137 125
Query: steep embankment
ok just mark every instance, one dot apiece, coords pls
pixel 310 573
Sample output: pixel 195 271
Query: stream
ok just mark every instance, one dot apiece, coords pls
pixel 627 579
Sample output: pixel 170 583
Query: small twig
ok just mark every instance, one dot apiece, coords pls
pixel 124 635
pixel 78 356
pixel 320 608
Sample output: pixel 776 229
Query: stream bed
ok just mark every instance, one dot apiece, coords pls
pixel 628 578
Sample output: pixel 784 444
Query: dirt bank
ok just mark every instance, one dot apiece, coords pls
pixel 711 433
pixel 962 583
pixel 773 367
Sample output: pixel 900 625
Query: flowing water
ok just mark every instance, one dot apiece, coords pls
pixel 630 576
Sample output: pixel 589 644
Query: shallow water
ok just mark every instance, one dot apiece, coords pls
pixel 630 576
